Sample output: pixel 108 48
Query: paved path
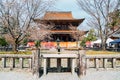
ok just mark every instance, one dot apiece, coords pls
pixel 60 76
pixel 91 75
pixel 16 76
pixel 102 75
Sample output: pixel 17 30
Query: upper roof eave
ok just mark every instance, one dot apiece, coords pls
pixel 71 20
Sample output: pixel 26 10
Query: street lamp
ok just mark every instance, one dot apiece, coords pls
pixel 58 44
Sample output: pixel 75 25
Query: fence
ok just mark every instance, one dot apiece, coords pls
pixel 103 61
pixel 83 61
pixel 4 48
pixel 19 61
pixel 15 59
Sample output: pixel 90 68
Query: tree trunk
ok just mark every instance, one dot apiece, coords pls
pixel 104 43
pixel 15 46
pixel 104 46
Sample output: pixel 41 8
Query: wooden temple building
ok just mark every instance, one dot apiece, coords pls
pixel 61 29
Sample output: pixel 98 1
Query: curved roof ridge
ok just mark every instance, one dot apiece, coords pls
pixel 49 15
pixel 59 11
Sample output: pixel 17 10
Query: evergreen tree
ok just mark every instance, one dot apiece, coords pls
pixel 3 41
pixel 90 37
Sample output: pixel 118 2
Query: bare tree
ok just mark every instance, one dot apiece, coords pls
pixel 16 17
pixel 77 34
pixel 39 32
pixel 99 11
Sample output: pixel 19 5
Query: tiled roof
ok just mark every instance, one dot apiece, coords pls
pixel 58 16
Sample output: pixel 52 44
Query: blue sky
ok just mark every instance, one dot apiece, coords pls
pixel 71 5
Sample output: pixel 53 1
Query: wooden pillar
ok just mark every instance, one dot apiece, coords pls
pixel 114 63
pixel 45 67
pixel 21 63
pixel 73 66
pixel 59 64
pixel 30 63
pixel 97 63
pixel 105 63
pixel 3 62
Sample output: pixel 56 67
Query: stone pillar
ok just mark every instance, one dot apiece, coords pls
pixel 87 63
pixel 69 63
pixel 30 63
pixel 3 62
pixel 114 63
pixel 21 63
pixel 73 66
pixel 44 67
pixel 102 62
pixel 12 63
pixel 105 63
pixel 35 62
pixel 48 63
pixel 82 63
pixel 97 63
pixel 59 64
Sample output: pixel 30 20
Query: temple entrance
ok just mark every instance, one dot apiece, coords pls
pixel 58 65
pixel 70 63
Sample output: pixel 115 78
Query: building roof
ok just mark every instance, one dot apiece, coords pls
pixel 58 17
pixel 115 41
pixel 50 15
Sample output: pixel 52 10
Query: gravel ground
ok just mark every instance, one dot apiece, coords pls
pixel 16 75
pixel 91 75
pixel 60 76
pixel 102 75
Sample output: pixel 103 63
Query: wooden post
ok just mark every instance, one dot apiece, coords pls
pixel 105 63
pixel 21 63
pixel 3 62
pixel 114 63
pixel 97 63
pixel 35 63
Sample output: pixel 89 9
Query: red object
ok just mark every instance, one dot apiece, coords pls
pixel 88 44
pixel 30 44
